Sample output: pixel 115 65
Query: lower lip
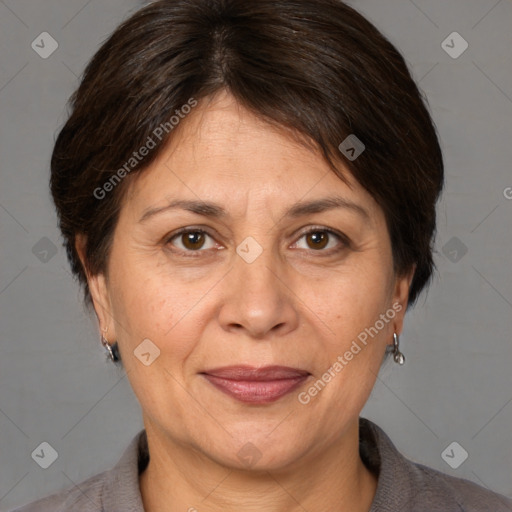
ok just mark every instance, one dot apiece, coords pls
pixel 256 392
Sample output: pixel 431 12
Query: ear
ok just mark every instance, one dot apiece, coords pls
pixel 400 298
pixel 98 288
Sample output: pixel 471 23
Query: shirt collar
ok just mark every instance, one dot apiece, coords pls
pixel 122 492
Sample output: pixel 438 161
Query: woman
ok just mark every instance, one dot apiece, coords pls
pixel 247 193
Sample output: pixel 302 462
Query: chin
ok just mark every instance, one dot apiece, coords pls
pixel 260 453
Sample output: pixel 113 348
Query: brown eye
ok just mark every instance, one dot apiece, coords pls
pixel 318 239
pixel 192 240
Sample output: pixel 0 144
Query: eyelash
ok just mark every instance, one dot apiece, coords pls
pixel 341 237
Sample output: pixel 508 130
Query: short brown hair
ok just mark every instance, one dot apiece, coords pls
pixel 316 67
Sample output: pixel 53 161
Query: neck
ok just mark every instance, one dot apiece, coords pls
pixel 181 478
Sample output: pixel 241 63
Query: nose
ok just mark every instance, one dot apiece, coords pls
pixel 258 299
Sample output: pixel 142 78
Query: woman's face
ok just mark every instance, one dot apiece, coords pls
pixel 254 290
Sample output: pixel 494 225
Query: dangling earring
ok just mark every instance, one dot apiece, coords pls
pixel 397 355
pixel 108 348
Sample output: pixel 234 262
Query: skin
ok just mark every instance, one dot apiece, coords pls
pixel 295 305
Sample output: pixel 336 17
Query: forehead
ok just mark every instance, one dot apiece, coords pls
pixel 223 153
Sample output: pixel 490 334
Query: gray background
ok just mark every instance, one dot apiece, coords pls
pixel 55 385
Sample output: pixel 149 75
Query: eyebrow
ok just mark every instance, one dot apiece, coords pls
pixel 214 210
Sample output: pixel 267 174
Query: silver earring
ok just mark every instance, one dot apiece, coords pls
pixel 397 355
pixel 108 348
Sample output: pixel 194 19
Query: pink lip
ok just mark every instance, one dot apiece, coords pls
pixel 256 385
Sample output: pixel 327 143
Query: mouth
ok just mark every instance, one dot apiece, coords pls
pixel 253 385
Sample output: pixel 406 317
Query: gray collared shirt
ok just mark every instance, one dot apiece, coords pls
pixel 402 484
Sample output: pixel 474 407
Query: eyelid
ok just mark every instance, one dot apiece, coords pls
pixel 312 229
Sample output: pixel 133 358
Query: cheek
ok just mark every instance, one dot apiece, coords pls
pixel 355 302
pixel 151 303
pixel 348 300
